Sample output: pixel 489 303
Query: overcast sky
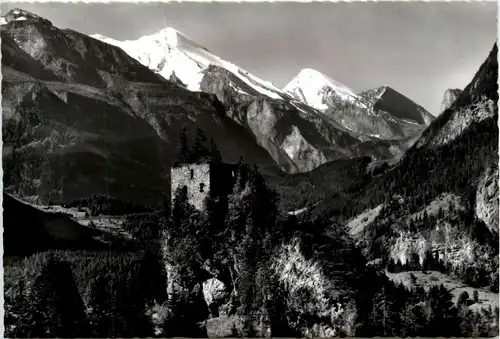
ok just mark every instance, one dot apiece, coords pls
pixel 418 48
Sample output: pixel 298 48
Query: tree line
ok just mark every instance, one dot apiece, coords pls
pixel 198 151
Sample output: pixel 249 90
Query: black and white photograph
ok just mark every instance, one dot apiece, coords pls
pixel 250 170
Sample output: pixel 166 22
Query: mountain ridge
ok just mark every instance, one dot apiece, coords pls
pixel 190 61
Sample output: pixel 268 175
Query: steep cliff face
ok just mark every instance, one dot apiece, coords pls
pixel 71 56
pixel 476 103
pixel 461 120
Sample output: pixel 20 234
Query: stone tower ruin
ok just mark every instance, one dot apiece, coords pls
pixel 200 179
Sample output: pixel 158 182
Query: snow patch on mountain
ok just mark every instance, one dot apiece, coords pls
pixel 169 51
pixel 311 87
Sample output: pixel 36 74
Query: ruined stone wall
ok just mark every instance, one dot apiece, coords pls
pixel 196 177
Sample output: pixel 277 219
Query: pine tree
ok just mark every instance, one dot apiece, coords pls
pixel 391 266
pixel 183 148
pixel 382 317
pixel 216 156
pixel 443 319
pixel 199 150
pixel 58 310
pixel 16 313
pixel 463 298
pixel 101 308
pixel 412 320
pixel 242 174
pixel 138 294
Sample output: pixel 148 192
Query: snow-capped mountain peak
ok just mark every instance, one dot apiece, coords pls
pixel 313 87
pixel 169 50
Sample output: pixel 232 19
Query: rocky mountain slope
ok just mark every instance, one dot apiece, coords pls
pixel 81 116
pixel 307 136
pixel 389 100
pixel 386 114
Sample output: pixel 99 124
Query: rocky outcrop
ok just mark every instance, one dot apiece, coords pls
pixel 215 294
pixel 73 57
pixel 487 199
pixel 311 294
pixel 449 96
pixel 174 79
pixel 477 103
